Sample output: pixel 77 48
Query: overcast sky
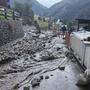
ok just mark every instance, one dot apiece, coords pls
pixel 48 3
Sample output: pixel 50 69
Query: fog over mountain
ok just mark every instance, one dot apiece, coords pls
pixel 48 3
pixel 70 9
pixel 66 9
pixel 36 6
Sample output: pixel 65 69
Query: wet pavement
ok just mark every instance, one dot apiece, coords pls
pixel 38 60
pixel 60 80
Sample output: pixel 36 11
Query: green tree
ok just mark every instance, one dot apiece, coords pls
pixel 28 14
pixel 27 11
pixel 18 7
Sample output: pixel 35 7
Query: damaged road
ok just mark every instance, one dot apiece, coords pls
pixel 37 62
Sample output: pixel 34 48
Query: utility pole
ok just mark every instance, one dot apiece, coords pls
pixel 13 16
pixel 5 13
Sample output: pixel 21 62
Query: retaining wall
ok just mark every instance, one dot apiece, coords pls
pixel 10 30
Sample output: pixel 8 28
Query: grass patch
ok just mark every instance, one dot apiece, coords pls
pixel 42 24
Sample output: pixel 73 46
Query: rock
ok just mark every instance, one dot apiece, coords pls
pixel 14 66
pixel 51 74
pixel 19 42
pixel 42 36
pixel 35 82
pixel 46 77
pixel 1 76
pixel 48 58
pixel 16 87
pixel 82 80
pixel 49 41
pixel 6 59
pixel 61 68
pixel 58 48
pixel 10 71
pixel 26 58
pixel 62 56
pixel 26 88
pixel 60 52
pixel 46 55
pixel 17 53
pixel 41 77
pixel 36 72
pixel 66 77
pixel 34 55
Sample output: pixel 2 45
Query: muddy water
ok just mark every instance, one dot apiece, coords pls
pixel 30 62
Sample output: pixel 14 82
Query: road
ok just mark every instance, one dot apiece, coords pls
pixel 37 55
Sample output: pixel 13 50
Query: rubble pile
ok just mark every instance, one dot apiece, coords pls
pixel 27 45
pixel 34 54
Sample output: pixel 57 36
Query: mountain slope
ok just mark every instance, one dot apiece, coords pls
pixel 70 9
pixel 36 6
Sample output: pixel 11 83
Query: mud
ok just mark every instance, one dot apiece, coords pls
pixel 37 55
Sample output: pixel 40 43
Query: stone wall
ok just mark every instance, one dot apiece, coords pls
pixel 10 30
